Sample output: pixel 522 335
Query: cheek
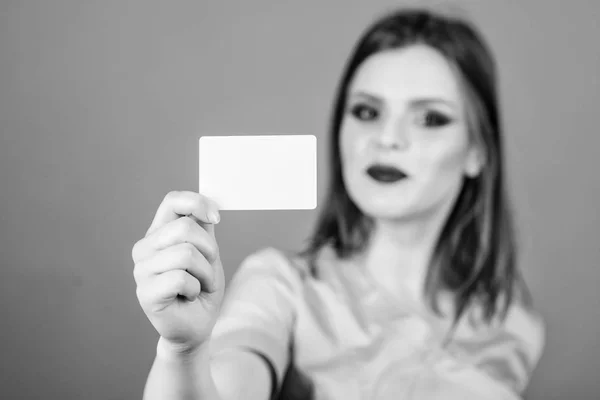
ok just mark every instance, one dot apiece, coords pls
pixel 445 167
pixel 446 154
pixel 451 162
pixel 352 143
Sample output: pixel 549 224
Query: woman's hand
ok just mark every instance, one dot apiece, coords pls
pixel 178 271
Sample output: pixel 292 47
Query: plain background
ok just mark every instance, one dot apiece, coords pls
pixel 101 106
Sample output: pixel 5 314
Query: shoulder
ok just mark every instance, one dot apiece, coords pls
pixel 526 326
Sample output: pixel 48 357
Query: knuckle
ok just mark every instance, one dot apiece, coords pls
pixel 214 253
pixel 188 252
pixel 187 226
pixel 138 273
pixel 179 279
pixel 141 296
pixel 170 196
pixel 135 250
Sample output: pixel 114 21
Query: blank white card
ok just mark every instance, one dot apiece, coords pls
pixel 267 172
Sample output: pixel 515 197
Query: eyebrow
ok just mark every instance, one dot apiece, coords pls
pixel 418 102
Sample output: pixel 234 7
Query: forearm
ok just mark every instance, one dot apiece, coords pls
pixel 181 376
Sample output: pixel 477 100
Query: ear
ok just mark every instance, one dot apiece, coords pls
pixel 474 161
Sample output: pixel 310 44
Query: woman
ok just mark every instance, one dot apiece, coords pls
pixel 408 288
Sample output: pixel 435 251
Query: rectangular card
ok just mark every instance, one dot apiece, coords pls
pixel 265 172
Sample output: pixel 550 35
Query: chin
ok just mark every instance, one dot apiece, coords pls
pixel 403 202
pixel 385 208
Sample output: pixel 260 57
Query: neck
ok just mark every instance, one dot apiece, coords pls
pixel 399 252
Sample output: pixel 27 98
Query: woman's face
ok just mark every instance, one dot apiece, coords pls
pixel 405 113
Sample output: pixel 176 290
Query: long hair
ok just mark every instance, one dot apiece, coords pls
pixel 475 255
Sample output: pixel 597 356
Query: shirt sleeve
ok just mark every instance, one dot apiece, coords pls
pixel 497 365
pixel 258 310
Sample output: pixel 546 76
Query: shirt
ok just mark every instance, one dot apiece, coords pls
pixel 342 337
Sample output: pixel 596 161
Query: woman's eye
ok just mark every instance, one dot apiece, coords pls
pixel 433 119
pixel 364 112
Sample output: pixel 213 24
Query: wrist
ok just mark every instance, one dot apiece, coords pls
pixel 181 353
pixel 188 364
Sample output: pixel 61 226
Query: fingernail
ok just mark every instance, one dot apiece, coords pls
pixel 214 217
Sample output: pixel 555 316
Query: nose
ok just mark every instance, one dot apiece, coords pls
pixel 394 135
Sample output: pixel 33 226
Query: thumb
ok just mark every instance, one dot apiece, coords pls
pixel 208 227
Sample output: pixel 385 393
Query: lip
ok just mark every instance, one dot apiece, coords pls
pixel 385 173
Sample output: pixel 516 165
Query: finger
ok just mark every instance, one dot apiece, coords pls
pixel 182 230
pixel 181 203
pixel 162 289
pixel 209 228
pixel 184 257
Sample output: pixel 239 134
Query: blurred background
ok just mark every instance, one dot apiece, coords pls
pixel 101 106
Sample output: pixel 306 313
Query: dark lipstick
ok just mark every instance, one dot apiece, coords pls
pixel 385 173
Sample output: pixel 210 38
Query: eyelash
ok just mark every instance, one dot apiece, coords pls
pixel 358 109
pixel 436 119
pixel 428 118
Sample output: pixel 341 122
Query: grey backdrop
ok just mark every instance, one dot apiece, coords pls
pixel 101 105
